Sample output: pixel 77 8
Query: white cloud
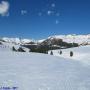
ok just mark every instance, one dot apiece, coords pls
pixel 23 12
pixel 4 8
pixel 57 22
pixel 49 12
pixel 53 5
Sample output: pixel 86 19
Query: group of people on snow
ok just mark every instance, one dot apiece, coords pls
pixel 60 52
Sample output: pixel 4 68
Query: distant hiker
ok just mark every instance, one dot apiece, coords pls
pixel 13 49
pixel 60 52
pixel 71 53
pixel 51 53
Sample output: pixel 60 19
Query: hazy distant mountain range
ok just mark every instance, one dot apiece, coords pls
pixel 73 38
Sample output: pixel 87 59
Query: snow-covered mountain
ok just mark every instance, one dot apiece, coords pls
pixel 16 40
pixel 35 71
pixel 52 40
pixel 80 39
pixel 73 38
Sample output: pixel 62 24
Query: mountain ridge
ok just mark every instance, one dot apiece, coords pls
pixel 69 38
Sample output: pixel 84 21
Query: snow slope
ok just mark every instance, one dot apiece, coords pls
pixel 32 71
pixel 81 53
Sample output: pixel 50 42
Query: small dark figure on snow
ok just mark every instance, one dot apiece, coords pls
pixel 13 49
pixel 51 53
pixel 71 53
pixel 60 52
pixel 21 49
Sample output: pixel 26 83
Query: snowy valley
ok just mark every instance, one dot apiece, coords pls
pixel 36 71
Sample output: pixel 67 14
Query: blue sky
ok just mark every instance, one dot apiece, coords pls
pixel 42 18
